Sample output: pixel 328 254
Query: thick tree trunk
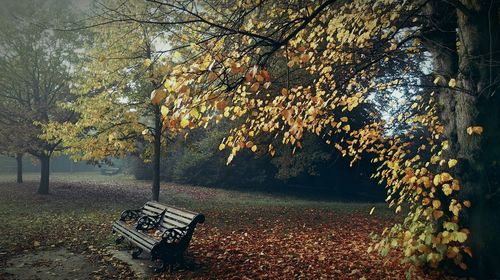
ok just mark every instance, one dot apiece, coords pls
pixel 156 155
pixel 19 160
pixel 472 103
pixel 477 105
pixel 43 188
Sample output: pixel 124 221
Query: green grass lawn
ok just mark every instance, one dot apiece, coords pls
pixel 247 234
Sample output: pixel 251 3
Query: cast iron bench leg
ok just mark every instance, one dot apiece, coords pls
pixel 119 240
pixel 161 267
pixel 136 253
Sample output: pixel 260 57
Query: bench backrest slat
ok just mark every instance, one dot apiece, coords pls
pixel 151 211
pixel 174 217
pixel 178 218
pixel 167 224
pixel 181 212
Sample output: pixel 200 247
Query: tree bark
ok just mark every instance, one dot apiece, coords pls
pixel 156 154
pixel 472 103
pixel 43 188
pixel 477 105
pixel 19 160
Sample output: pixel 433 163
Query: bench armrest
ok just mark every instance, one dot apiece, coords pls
pixel 149 222
pixel 175 235
pixel 130 215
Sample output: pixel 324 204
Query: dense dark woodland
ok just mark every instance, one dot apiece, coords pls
pixel 260 114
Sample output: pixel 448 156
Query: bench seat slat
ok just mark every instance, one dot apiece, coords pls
pixel 133 233
pixel 137 241
pixel 141 239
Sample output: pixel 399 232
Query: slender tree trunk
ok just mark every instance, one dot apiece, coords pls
pixel 157 154
pixel 19 160
pixel 43 188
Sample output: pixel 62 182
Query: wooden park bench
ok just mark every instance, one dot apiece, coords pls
pixel 161 230
pixel 110 171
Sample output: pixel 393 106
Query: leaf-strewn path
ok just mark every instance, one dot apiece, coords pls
pixel 246 235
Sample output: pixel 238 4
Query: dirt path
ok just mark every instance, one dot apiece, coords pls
pixel 53 264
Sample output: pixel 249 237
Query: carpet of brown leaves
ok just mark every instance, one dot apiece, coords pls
pixel 245 236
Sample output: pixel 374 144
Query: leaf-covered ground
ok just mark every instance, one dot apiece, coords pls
pixel 246 235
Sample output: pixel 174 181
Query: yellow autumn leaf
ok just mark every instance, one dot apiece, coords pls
pixel 455 207
pixel 184 123
pixel 164 110
pixel 222 146
pixel 436 180
pixel 467 203
pixel 426 181
pixel 436 204
pixel 194 113
pixel 445 145
pixel 452 83
pixel 475 130
pixel 447 190
pixel 460 237
pixel 452 162
pixel 229 159
pixel 254 148
pixel 445 177
pixel 344 119
pixel 371 211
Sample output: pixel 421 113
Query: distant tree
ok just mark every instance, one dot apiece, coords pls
pixel 12 143
pixel 36 66
pixel 117 93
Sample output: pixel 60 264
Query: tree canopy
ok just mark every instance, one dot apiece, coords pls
pixel 410 86
pixel 351 53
